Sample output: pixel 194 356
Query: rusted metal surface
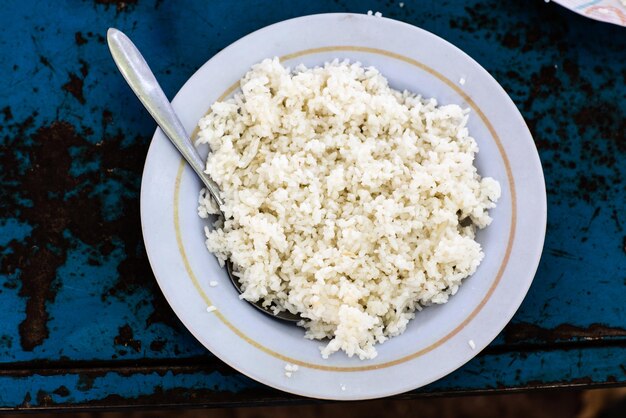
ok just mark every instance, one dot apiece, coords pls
pixel 525 332
pixel 83 322
pixel 210 383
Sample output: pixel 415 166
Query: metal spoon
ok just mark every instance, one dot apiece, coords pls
pixel 141 80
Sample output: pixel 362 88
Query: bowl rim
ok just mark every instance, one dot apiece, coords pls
pixel 541 203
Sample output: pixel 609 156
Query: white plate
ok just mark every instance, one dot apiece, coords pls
pixel 436 341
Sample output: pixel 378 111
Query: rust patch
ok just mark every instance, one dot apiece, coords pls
pixel 510 40
pixel 609 122
pixel 84 68
pixel 75 87
pixel 543 84
pixel 107 118
pixel 522 332
pixel 37 288
pixel 79 39
pixel 162 313
pixel 75 84
pixel 157 345
pixel 477 17
pixel 6 112
pixel 572 70
pixel 42 253
pixel 62 391
pixel 71 207
pixel 126 339
pixel 582 380
pixel 119 5
pixel 85 382
pixel 575 381
pixel 10 285
pixel 26 402
pixel 44 398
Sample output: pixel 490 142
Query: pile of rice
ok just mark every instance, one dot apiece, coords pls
pixel 346 201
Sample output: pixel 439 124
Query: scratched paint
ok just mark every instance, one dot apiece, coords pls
pixel 75 284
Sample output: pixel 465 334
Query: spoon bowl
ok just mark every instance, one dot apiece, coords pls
pixel 284 315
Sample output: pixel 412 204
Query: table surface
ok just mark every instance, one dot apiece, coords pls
pixel 83 323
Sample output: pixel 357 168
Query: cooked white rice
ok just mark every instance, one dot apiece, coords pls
pixel 346 201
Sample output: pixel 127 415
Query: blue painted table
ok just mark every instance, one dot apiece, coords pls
pixel 83 323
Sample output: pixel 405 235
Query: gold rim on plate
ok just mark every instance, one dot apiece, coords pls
pixel 432 346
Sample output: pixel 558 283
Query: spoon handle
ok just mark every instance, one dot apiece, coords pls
pixel 141 80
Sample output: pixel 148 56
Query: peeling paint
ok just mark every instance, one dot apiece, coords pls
pixel 73 140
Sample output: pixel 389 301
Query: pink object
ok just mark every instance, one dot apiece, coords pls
pixel 610 11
